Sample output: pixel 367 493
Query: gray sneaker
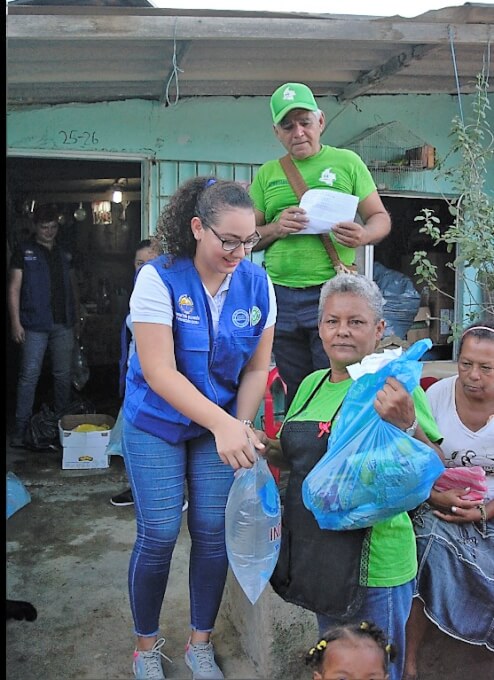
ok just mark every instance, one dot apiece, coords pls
pixel 200 659
pixel 147 665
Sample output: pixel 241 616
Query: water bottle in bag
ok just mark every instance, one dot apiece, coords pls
pixel 253 527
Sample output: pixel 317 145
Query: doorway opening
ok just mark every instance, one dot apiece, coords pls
pixel 396 252
pixel 103 251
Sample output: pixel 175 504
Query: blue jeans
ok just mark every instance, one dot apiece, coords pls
pixel 157 471
pixel 297 346
pixel 455 578
pixel 389 609
pixel 60 343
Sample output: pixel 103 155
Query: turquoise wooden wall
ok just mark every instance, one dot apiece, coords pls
pixel 231 135
pixel 226 136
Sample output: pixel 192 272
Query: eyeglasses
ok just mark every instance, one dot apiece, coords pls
pixel 229 244
pixel 48 225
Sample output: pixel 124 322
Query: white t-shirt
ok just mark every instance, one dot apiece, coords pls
pixel 150 301
pixel 460 445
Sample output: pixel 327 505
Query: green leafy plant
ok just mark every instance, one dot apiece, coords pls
pixel 470 235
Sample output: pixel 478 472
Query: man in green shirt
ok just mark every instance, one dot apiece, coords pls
pixel 298 264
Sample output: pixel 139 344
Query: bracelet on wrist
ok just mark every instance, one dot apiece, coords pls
pixel 483 519
pixel 249 423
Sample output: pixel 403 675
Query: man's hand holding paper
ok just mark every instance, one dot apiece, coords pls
pixel 326 208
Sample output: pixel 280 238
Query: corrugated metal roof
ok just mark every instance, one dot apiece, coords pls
pixel 102 52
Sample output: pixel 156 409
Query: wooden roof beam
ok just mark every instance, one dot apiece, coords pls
pixel 368 80
pixel 56 28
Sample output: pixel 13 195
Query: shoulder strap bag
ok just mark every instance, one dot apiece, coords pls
pixel 299 186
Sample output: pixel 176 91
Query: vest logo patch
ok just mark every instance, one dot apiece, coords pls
pixel 255 316
pixel 185 309
pixel 327 177
pixel 243 317
pixel 186 304
pixel 29 255
pixel 240 318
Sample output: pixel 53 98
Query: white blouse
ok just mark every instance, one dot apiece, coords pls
pixel 461 446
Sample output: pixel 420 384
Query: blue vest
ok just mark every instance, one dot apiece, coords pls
pixel 212 364
pixel 35 303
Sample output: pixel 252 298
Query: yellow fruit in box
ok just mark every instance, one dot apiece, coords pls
pixel 88 427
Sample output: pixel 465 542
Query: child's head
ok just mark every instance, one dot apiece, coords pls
pixel 353 651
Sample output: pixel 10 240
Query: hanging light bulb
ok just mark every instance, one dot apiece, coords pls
pixel 117 190
pixel 80 213
pixel 117 194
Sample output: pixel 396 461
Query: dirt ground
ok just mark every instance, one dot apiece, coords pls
pixel 67 553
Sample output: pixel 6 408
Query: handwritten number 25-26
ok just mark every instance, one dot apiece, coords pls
pixel 82 137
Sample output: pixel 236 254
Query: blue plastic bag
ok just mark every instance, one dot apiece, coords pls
pixel 17 494
pixel 253 527
pixel 372 470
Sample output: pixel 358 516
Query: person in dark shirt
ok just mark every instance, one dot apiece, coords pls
pixel 43 308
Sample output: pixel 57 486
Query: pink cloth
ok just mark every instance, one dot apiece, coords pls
pixel 461 477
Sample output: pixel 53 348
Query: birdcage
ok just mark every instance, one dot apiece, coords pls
pixel 395 156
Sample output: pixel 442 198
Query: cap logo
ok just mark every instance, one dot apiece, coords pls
pixel 289 94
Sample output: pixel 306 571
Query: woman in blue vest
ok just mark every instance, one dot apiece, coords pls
pixel 203 318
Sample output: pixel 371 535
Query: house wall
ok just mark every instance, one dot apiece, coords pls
pixel 198 135
pixel 232 130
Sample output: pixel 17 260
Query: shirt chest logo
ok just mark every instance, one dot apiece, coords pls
pixel 327 177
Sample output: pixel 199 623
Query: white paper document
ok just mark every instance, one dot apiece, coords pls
pixel 326 208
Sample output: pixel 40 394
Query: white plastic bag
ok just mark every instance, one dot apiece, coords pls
pixel 253 527
pixel 114 447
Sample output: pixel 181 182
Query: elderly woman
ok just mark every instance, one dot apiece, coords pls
pixel 455 535
pixel 363 574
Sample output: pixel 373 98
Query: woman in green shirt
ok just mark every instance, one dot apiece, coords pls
pixel 363 573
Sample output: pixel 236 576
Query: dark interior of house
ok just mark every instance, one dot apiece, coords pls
pixel 102 243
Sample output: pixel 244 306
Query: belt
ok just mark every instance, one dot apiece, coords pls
pixel 299 287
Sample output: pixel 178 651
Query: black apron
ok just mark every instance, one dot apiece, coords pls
pixel 321 570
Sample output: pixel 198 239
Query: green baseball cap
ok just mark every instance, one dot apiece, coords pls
pixel 291 96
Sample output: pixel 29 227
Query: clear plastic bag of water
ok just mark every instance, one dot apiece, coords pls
pixel 80 367
pixel 114 447
pixel 253 527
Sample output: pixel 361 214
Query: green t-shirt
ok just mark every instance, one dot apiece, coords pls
pixel 393 553
pixel 301 260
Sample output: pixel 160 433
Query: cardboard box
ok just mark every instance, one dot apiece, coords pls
pixel 441 306
pixel 442 312
pixel 420 327
pixel 84 450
